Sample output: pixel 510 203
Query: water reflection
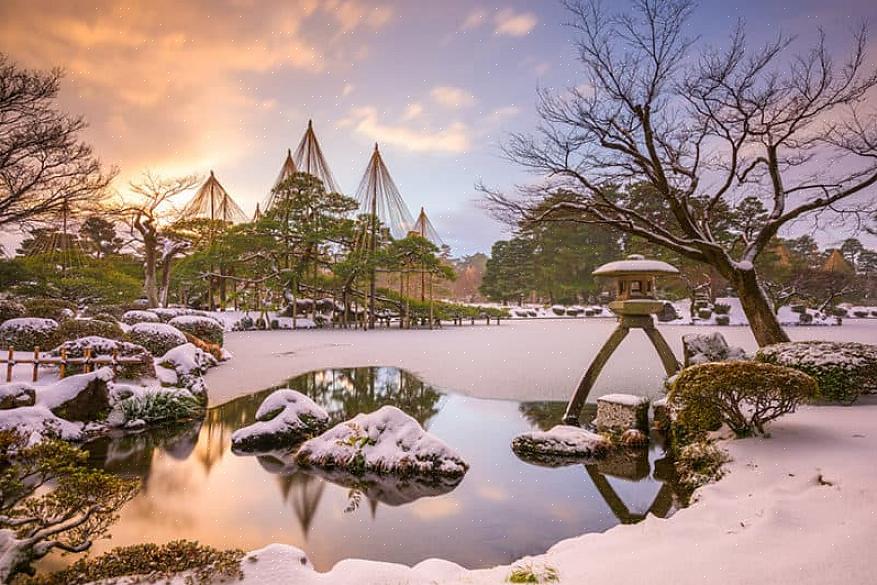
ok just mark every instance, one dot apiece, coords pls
pixel 196 488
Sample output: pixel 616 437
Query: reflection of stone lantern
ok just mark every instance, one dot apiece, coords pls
pixel 634 303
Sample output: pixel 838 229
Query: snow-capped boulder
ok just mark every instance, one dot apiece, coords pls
pixel 284 418
pixel 204 328
pixel 842 369
pixel 84 397
pixel 101 347
pixel 564 441
pixel 158 338
pixel 384 441
pixel 185 366
pixel 617 413
pixel 134 317
pixel 701 348
pixel 16 394
pixel 38 423
pixel 26 333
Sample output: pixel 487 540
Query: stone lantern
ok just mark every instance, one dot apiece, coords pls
pixel 634 303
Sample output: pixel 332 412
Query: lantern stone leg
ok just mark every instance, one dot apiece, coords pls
pixel 571 416
pixel 628 322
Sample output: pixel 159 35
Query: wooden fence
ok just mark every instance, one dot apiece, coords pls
pixel 87 361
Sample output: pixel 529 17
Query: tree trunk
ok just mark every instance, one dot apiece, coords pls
pixel 165 282
pixel 150 285
pixel 762 320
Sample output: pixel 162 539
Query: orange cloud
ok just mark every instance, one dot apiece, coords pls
pixel 162 81
pixel 453 138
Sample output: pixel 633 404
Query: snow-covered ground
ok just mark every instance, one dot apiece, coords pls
pixel 796 509
pixel 538 359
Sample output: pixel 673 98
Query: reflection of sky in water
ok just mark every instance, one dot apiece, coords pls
pixel 195 488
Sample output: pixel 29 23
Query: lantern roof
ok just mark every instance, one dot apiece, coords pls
pixel 635 264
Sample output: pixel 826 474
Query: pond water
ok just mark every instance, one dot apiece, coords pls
pixel 195 487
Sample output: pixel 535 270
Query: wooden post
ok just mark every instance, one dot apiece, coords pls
pixel 431 310
pixel 114 357
pixel 86 366
pixel 36 363
pixel 10 364
pixel 62 367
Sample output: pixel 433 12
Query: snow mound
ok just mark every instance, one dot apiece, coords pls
pixel 38 423
pixel 185 366
pixel 384 441
pixel 562 441
pixel 283 419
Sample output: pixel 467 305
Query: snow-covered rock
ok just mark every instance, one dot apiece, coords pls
pixel 284 418
pixel 700 348
pixel 168 313
pixel 562 441
pixel 384 441
pixel 185 366
pixel 83 397
pixel 16 394
pixel 38 423
pixel 134 317
pixel 158 338
pixel 25 333
pixel 620 412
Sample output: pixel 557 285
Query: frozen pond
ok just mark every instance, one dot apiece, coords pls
pixel 194 487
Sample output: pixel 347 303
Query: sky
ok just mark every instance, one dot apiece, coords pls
pixel 184 87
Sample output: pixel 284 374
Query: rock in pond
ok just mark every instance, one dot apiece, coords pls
pixel 386 441
pixel 562 445
pixel 285 418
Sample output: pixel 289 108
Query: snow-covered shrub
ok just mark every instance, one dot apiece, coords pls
pixel 26 333
pixel 77 328
pixel 205 328
pixel 561 441
pixel 159 406
pixel 50 309
pixel 134 317
pixel 245 323
pixel 529 572
pixel 722 308
pixel 723 320
pixel 168 313
pixel 558 310
pixel 17 394
pixel 104 347
pixel 158 338
pixel 384 441
pixel 743 395
pixel 843 369
pixel 704 314
pixel 10 309
pixel 700 463
pixel 285 417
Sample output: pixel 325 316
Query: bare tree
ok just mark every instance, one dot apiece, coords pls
pixel 151 205
pixel 701 130
pixel 44 168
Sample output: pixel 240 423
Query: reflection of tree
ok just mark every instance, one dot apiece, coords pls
pixel 132 454
pixel 547 414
